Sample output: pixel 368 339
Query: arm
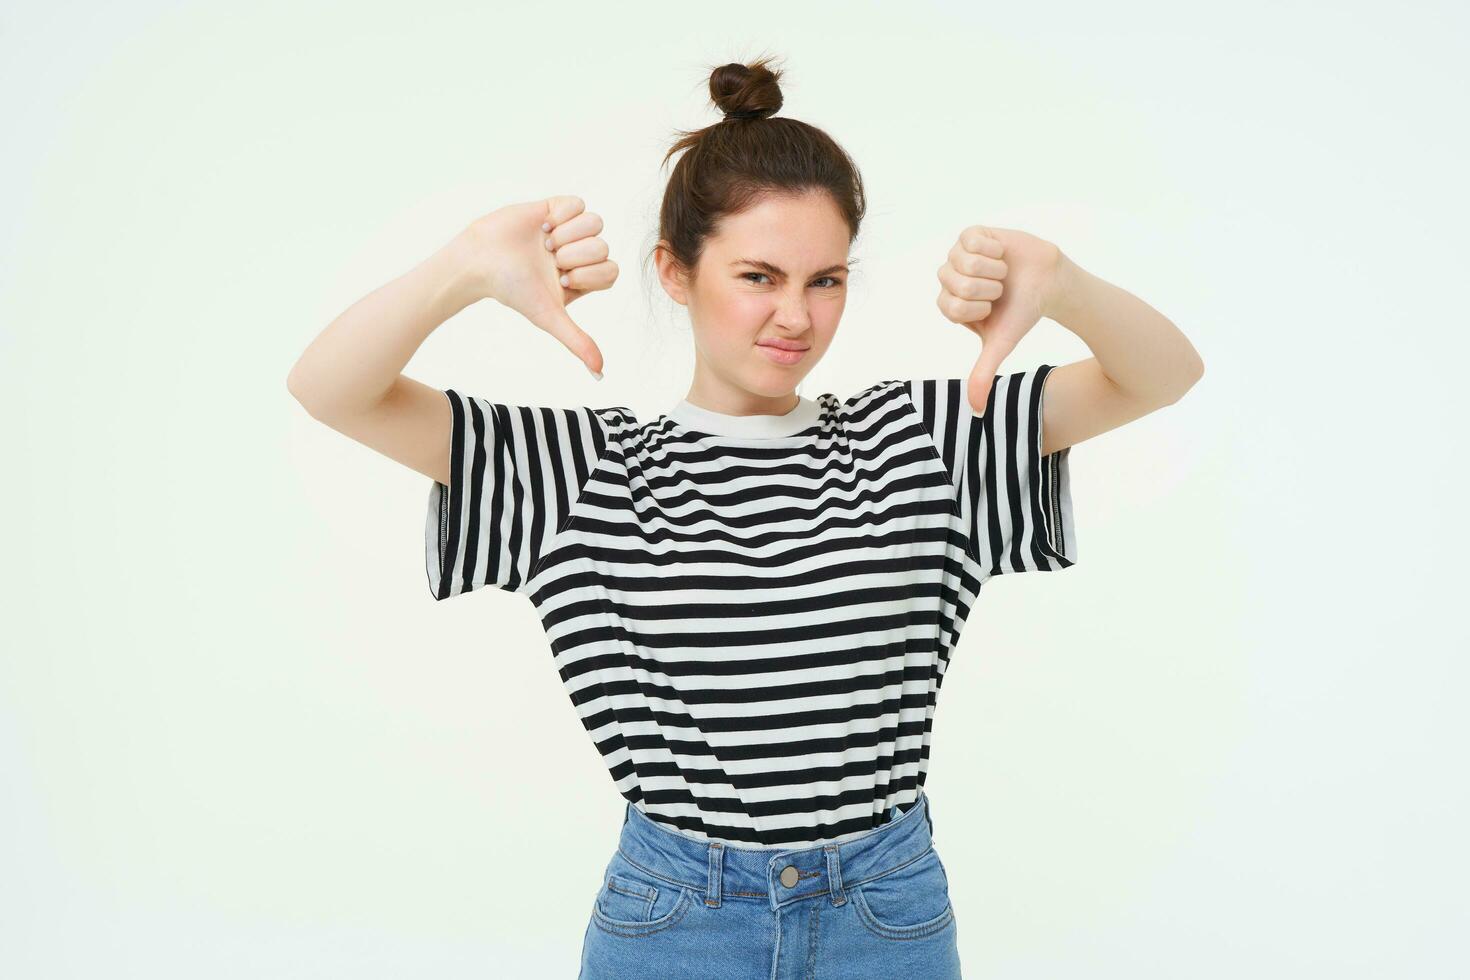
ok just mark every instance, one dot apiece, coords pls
pixel 1138 349
pixel 350 377
pixel 999 282
pixel 534 257
pixel 1141 363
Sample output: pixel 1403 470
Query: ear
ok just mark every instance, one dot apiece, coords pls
pixel 671 274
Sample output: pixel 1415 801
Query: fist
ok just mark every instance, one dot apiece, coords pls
pixel 996 282
pixel 540 256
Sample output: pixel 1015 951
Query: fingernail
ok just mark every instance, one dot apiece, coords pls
pixel 595 374
pixel 565 281
pixel 548 243
pixel 546 226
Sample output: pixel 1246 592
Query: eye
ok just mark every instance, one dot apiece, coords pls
pixel 832 279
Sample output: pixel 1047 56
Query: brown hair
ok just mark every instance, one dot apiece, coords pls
pixel 732 163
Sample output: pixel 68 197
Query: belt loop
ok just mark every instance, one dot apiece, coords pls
pixel 834 875
pixel 928 816
pixel 716 874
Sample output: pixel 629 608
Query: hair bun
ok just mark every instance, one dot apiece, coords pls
pixel 746 91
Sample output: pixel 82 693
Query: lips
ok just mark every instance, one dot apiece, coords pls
pixel 782 351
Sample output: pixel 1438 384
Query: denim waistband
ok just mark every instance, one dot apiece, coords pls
pixel 717 870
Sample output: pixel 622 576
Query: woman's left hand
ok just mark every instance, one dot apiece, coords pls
pixel 997 282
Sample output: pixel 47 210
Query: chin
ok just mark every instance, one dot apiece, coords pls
pixel 775 379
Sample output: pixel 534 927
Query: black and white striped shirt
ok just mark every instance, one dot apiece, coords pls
pixel 753 615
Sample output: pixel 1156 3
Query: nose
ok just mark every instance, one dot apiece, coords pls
pixel 792 317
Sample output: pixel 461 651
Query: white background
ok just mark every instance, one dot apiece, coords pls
pixel 238 737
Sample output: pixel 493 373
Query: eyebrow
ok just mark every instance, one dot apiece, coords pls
pixel 778 271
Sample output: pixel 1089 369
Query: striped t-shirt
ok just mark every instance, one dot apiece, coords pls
pixel 753 615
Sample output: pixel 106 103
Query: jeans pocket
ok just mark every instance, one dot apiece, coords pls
pixel 910 902
pixel 634 902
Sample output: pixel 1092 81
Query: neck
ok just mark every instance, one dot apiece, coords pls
pixel 716 395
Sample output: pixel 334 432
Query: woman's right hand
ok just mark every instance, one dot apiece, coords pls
pixel 508 250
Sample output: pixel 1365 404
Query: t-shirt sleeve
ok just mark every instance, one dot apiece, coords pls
pixel 1016 504
pixel 514 473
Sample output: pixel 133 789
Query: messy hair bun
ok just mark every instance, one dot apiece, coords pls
pixel 746 91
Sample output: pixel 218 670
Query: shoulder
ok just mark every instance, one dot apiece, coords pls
pixel 615 417
pixel 890 394
pixel 883 403
pixel 622 427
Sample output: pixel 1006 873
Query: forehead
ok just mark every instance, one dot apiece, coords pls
pixel 790 231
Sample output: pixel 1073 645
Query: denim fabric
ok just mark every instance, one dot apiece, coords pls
pixel 674 906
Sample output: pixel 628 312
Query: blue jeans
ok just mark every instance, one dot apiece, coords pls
pixel 673 906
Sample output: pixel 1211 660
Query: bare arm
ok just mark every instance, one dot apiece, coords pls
pixel 1139 350
pixel 999 282
pixel 350 377
pixel 1142 361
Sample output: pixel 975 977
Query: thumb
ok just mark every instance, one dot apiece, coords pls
pixel 982 376
pixel 555 321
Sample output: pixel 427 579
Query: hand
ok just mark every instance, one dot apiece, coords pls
pixel 971 294
pixel 509 252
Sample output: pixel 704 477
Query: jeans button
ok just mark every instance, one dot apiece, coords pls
pixel 788 876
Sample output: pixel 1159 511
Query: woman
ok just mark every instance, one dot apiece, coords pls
pixel 753 598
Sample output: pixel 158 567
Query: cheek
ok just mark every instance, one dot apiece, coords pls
pixel 735 322
pixel 745 311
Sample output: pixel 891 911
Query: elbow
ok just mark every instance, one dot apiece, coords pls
pixel 1192 379
pixel 293 383
pixel 1199 372
pixel 299 388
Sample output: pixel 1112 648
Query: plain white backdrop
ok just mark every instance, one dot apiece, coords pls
pixel 239 739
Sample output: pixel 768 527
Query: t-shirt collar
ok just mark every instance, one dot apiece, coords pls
pixel 806 414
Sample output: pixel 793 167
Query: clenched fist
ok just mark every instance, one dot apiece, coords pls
pixel 997 282
pixel 537 257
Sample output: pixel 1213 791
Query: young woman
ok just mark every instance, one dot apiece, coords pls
pixel 753 598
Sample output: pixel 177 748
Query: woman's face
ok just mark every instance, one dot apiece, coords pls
pixel 765 303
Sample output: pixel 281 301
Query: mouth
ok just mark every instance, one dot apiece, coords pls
pixel 783 351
